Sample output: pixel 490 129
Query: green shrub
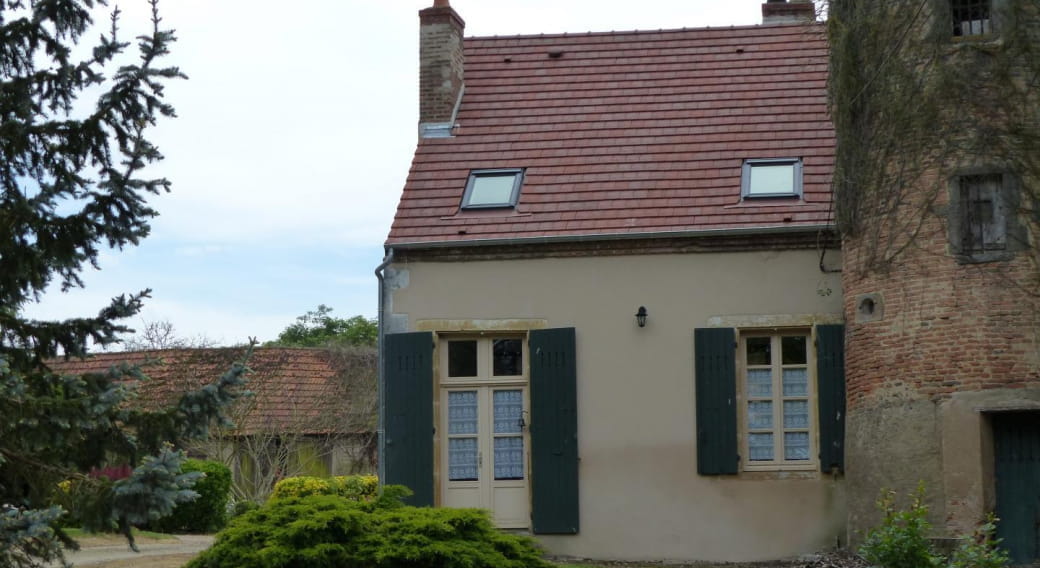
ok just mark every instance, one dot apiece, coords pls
pixel 207 513
pixel 902 540
pixel 353 487
pixel 981 550
pixel 330 531
pixel 242 507
pixel 87 504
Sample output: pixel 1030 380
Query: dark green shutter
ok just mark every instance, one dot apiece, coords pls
pixel 716 384
pixel 554 432
pixel 830 380
pixel 408 396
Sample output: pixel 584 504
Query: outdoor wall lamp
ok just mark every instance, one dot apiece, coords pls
pixel 641 316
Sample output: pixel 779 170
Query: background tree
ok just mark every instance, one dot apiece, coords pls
pixel 307 411
pixel 71 182
pixel 319 425
pixel 318 328
pixel 161 334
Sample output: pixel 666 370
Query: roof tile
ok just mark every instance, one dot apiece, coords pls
pixel 300 390
pixel 628 132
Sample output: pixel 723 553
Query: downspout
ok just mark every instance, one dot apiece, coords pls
pixel 381 442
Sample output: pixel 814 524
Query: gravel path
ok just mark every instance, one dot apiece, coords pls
pixel 91 555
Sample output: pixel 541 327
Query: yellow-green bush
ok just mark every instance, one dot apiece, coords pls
pixel 353 487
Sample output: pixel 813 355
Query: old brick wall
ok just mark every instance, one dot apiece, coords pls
pixel 939 327
pixel 440 63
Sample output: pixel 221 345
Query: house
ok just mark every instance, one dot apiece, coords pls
pixel 614 306
pixel 611 308
pixel 308 411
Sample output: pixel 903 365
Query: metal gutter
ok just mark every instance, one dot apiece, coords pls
pixel 380 373
pixel 615 237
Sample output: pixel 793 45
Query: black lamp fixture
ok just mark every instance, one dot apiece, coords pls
pixel 641 316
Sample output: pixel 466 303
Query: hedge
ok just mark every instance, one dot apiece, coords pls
pixel 330 531
pixel 353 487
pixel 206 514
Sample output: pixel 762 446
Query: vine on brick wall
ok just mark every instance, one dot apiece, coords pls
pixel 912 104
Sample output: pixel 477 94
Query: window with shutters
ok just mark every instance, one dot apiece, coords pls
pixel 776 389
pixel 770 399
pixel 982 220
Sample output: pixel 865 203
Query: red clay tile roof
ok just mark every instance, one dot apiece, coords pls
pixel 304 391
pixel 628 133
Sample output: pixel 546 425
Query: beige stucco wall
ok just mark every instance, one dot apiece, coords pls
pixel 640 494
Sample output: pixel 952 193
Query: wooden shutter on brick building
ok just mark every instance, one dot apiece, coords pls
pixel 554 432
pixel 716 392
pixel 408 396
pixel 830 381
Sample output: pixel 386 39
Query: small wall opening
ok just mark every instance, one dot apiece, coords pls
pixel 869 307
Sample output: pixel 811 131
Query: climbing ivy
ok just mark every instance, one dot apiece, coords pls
pixel 912 104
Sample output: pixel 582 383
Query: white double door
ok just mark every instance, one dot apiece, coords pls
pixel 484 451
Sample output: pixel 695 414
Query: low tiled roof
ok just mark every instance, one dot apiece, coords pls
pixel 305 391
pixel 628 133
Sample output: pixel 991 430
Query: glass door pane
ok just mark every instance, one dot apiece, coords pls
pixel 463 451
pixel 508 408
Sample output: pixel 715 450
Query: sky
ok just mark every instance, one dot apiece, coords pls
pixel 294 136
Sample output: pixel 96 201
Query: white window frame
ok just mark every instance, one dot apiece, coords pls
pixel 743 430
pixel 748 169
pixel 485 382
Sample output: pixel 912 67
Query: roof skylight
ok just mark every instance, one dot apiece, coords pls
pixel 488 189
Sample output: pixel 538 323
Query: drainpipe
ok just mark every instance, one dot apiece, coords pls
pixel 380 443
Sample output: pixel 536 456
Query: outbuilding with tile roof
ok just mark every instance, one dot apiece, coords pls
pixel 306 411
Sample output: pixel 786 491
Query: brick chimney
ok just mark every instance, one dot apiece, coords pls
pixel 788 12
pixel 440 68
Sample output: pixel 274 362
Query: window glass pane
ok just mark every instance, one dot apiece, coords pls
pixel 760 446
pixel 508 355
pixel 758 351
pixel 462 412
pixel 462 459
pixel 509 457
pixel 796 414
pixel 970 17
pixel 760 383
pixel 793 348
pixel 508 406
pixel 760 415
pixel 492 190
pixel 772 178
pixel 796 446
pixel 796 382
pixel 462 358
